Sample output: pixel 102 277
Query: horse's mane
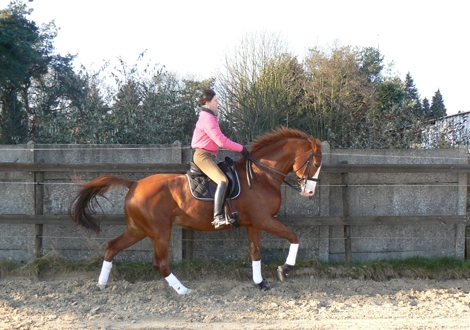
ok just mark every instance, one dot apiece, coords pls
pixel 278 134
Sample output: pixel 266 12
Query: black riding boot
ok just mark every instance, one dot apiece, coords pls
pixel 219 198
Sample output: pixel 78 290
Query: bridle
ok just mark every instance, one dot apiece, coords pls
pixel 302 181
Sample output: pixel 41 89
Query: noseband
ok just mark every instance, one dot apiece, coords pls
pixel 301 181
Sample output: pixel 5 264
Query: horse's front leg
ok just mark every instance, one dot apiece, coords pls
pixel 275 227
pixel 254 235
pixel 284 270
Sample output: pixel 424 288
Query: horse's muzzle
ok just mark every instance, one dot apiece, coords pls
pixel 307 192
pixel 307 188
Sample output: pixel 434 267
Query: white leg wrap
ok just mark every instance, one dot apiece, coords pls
pixel 176 284
pixel 292 254
pixel 257 278
pixel 105 270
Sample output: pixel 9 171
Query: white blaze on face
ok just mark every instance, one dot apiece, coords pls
pixel 309 188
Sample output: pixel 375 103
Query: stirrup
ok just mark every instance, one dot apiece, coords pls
pixel 230 219
pixel 219 221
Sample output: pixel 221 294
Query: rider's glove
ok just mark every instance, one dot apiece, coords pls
pixel 245 152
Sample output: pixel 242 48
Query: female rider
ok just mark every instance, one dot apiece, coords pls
pixel 207 139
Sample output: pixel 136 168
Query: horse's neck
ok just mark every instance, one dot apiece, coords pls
pixel 282 159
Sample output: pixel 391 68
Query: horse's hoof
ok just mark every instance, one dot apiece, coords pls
pixel 264 285
pixel 283 272
pixel 100 287
pixel 189 291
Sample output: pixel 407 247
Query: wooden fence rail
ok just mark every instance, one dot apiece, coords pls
pixel 118 219
pixel 182 168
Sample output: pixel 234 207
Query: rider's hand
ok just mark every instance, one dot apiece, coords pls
pixel 245 152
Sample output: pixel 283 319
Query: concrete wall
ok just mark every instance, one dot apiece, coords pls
pixel 368 194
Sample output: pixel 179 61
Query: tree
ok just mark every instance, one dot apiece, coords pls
pixel 71 109
pixel 438 108
pixel 33 81
pixel 131 104
pixel 153 106
pixel 259 86
pixel 187 110
pixel 411 97
pixel 339 95
pixel 426 107
pixel 57 91
pixel 23 56
pixel 390 94
pixel 370 61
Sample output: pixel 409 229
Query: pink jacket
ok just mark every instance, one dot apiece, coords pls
pixel 208 136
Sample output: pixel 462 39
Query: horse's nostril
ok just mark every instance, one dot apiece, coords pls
pixel 308 193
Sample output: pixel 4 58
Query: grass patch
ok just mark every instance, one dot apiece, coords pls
pixel 442 268
pixel 142 271
pixel 415 268
pixel 51 264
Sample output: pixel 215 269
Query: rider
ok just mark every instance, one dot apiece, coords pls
pixel 207 139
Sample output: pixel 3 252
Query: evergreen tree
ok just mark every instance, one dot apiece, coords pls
pixel 411 97
pixel 34 82
pixel 370 61
pixel 438 108
pixel 22 58
pixel 426 108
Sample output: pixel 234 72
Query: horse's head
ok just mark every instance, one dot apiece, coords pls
pixel 284 145
pixel 307 168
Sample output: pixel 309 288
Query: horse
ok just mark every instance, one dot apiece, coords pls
pixel 156 203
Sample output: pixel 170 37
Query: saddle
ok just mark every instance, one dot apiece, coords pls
pixel 203 188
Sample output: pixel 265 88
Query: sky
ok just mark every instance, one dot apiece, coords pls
pixel 429 39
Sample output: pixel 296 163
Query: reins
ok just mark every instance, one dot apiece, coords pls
pixel 307 164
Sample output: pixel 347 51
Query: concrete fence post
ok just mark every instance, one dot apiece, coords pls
pixel 324 185
pixel 178 235
pixel 176 153
pixel 38 210
pixel 461 205
pixel 347 228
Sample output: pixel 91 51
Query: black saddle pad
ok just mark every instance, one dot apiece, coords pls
pixel 203 188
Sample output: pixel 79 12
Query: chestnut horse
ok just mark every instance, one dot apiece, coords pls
pixel 155 203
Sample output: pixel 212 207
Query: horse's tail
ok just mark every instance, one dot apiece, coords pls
pixel 82 208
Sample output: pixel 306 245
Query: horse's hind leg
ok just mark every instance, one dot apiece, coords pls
pixel 131 236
